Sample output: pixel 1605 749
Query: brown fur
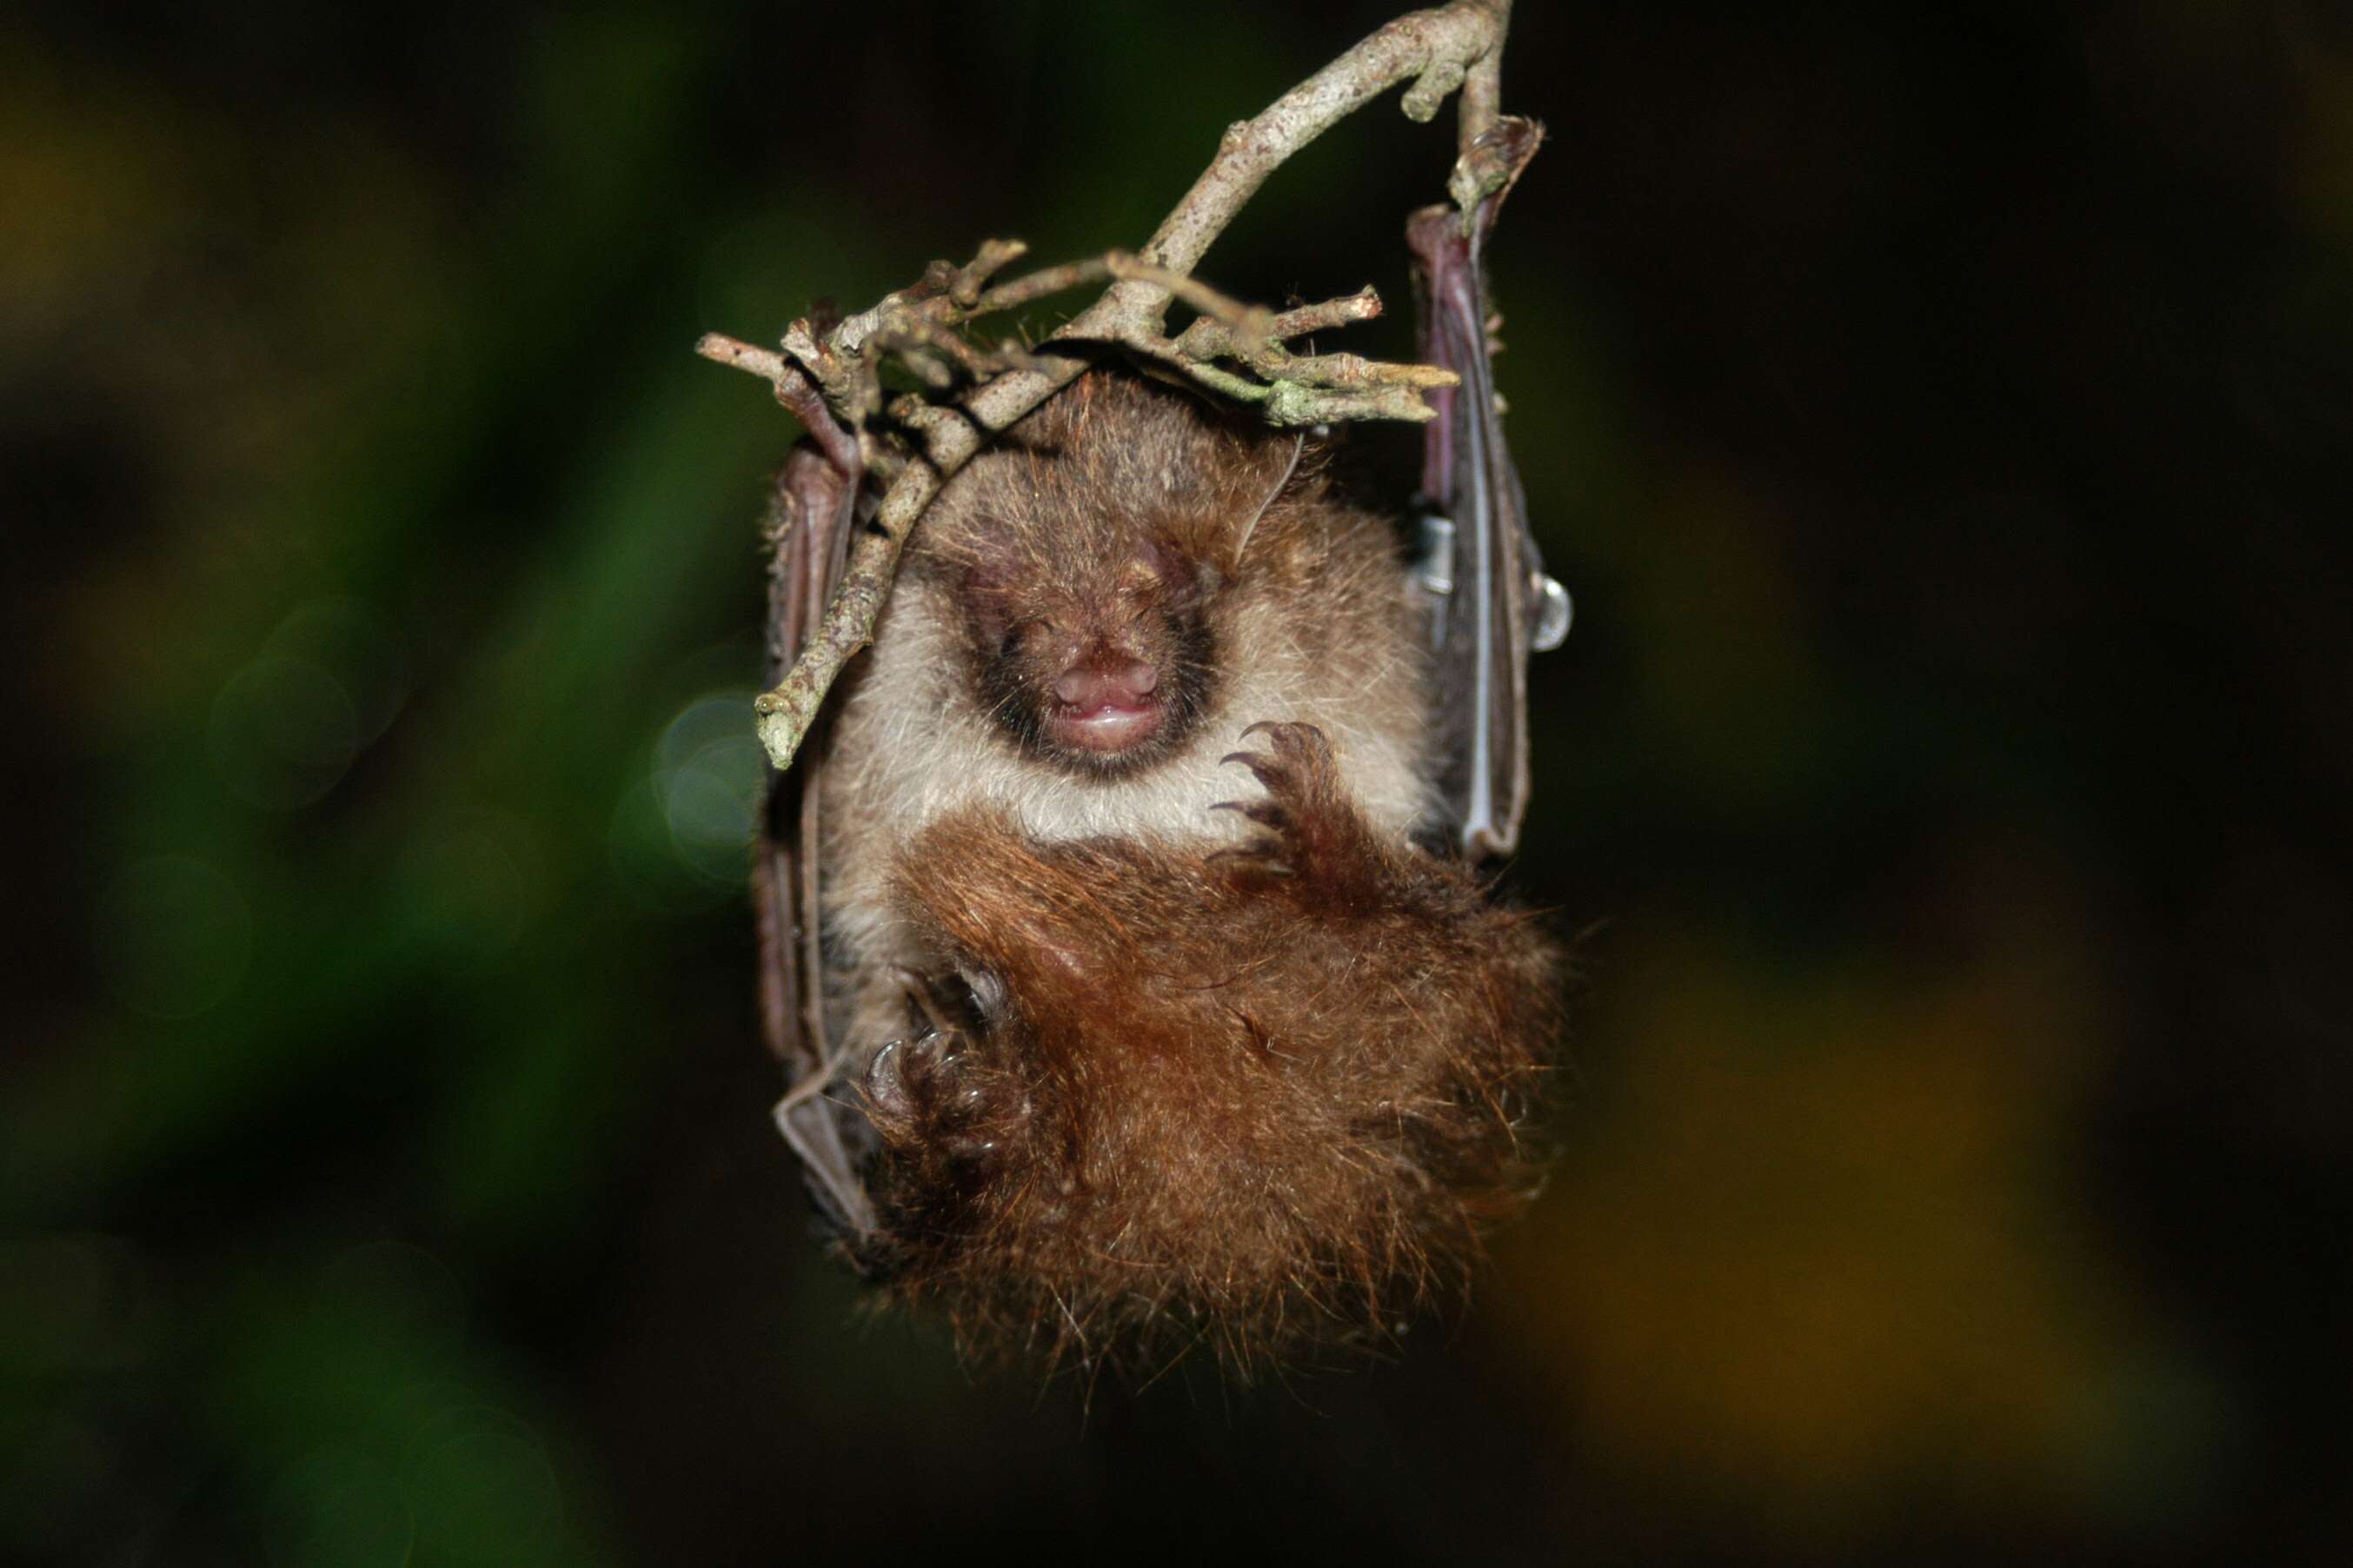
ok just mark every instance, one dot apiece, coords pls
pixel 1201 1080
pixel 1138 516
pixel 1265 1097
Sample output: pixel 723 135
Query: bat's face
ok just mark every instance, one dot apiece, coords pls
pixel 1101 667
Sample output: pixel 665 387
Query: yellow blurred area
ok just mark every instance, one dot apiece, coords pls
pixel 1818 1244
pixel 103 178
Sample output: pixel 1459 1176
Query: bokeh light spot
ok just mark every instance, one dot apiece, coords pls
pixel 283 732
pixel 681 835
pixel 708 771
pixel 348 639
pixel 646 859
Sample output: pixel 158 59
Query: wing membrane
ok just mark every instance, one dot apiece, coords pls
pixel 1482 580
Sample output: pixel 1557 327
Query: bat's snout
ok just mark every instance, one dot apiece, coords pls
pixel 1106 702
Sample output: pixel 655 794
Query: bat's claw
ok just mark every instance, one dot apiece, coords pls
pixel 1315 843
pixel 886 1083
pixel 1265 813
pixel 1297 767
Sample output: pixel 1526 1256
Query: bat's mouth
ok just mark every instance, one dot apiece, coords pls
pixel 1106 728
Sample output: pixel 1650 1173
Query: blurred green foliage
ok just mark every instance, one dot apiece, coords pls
pixel 1946 423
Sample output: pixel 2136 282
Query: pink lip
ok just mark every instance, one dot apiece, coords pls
pixel 1109 726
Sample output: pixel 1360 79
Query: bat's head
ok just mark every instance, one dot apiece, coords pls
pixel 1101 665
pixel 1092 554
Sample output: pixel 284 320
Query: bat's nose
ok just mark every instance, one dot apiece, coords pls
pixel 1110 682
pixel 1105 702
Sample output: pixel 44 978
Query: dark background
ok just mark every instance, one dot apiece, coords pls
pixel 1943 421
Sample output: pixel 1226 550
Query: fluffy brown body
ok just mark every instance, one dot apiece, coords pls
pixel 1265 1097
pixel 1141 1072
pixel 1123 525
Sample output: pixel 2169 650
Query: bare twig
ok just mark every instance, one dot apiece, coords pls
pixel 1364 305
pixel 1482 86
pixel 1292 389
pixel 1437 50
pixel 1040 285
pixel 1480 169
pixel 795 391
pixel 1303 389
pixel 994 257
pixel 1456 46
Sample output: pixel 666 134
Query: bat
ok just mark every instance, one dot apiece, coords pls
pixel 1085 620
pixel 1013 855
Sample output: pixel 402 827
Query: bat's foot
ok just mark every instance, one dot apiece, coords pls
pixel 1317 848
pixel 935 1098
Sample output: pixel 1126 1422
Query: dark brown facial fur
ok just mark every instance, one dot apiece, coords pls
pixel 1088 563
pixel 1104 669
pixel 1265 1097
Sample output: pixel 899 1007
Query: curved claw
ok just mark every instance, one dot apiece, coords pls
pixel 1294 744
pixel 1272 772
pixel 886 1085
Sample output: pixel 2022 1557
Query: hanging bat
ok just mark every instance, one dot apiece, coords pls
pixel 1088 616
pixel 1088 619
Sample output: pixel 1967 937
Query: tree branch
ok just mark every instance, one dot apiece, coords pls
pixel 1437 50
pixel 1483 86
